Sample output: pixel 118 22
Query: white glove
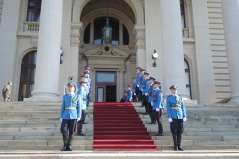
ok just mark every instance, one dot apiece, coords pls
pixel 134 93
pixel 137 85
pixel 152 103
pixel 157 109
pixel 78 119
pixel 146 94
pixel 61 119
pixel 142 90
pixel 184 119
pixel 170 120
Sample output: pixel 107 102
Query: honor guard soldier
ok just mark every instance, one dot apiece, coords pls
pixel 129 94
pixel 145 86
pixel 176 116
pixel 137 82
pixel 135 98
pixel 88 85
pixel 82 92
pixel 70 115
pixel 157 105
pixel 141 84
pixel 150 98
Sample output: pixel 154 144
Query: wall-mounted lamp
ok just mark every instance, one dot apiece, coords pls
pixel 61 55
pixel 155 56
pixel 70 78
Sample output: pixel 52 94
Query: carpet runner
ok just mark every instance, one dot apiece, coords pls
pixel 118 127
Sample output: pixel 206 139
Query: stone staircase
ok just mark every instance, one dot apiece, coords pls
pixel 36 126
pixel 209 127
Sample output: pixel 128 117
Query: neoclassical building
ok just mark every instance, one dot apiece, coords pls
pixel 46 43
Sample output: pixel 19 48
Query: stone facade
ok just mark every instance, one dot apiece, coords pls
pixel 151 25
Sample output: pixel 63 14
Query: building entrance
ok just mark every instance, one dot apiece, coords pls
pixel 106 86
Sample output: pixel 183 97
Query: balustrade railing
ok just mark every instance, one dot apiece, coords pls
pixel 31 26
pixel 185 32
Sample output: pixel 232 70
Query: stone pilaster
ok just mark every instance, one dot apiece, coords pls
pixel 172 47
pixel 48 52
pixel 139 32
pixel 230 11
pixel 205 73
pixel 8 44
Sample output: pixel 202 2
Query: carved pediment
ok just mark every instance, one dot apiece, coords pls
pixel 106 50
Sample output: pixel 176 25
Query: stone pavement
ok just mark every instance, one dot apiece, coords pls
pixel 17 154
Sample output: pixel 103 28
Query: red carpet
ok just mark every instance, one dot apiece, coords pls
pixel 118 127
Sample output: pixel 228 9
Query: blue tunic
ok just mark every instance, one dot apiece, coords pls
pixel 71 101
pixel 129 95
pixel 150 97
pixel 157 99
pixel 83 94
pixel 145 86
pixel 172 101
pixel 137 82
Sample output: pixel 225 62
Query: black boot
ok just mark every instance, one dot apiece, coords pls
pixel 160 130
pixel 151 118
pixel 175 142
pixel 69 148
pixel 64 143
pixel 179 143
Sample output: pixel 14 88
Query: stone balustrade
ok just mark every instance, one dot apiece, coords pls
pixel 31 26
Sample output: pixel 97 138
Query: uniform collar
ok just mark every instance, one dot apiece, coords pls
pixel 72 94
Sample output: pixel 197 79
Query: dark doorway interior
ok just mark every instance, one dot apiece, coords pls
pixel 110 93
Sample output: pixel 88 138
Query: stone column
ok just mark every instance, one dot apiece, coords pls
pixel 92 32
pixel 230 14
pixel 121 33
pixel 172 47
pixel 48 52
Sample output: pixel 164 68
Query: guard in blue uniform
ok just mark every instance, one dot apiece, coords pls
pixel 82 92
pixel 129 94
pixel 141 78
pixel 150 98
pixel 137 82
pixel 145 86
pixel 135 98
pixel 176 116
pixel 157 105
pixel 88 85
pixel 70 115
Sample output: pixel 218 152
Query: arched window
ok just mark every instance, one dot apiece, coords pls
pixel 187 77
pixel 27 78
pixel 33 11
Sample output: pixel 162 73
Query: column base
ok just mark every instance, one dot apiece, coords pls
pixel 44 97
pixel 234 100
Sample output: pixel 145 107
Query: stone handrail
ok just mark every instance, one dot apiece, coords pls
pixel 31 26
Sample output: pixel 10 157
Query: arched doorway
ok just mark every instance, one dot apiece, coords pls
pixel 27 78
pixel 116 59
pixel 187 77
